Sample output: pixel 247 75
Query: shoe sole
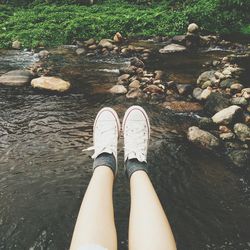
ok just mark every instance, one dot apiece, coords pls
pixel 113 112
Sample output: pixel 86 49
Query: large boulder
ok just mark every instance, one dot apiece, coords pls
pixel 16 78
pixel 242 131
pixel 227 115
pixel 50 83
pixel 215 102
pixel 202 138
pixel 172 48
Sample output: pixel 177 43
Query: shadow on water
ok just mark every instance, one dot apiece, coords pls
pixel 44 173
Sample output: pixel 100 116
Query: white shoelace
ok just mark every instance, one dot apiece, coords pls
pixel 135 146
pixel 104 142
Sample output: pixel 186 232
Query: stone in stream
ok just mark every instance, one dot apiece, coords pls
pixel 137 62
pixel 106 43
pixel 182 106
pixel 43 54
pixel 89 42
pixel 193 28
pixel 242 131
pixel 16 78
pixel 227 115
pixel 134 93
pixel 81 51
pixel 227 83
pixel 16 45
pixel 227 136
pixel 118 89
pixel 197 93
pixel 246 93
pixel 50 83
pixel 216 102
pixel 123 79
pixel 153 89
pixel 241 101
pixel 206 93
pixel 184 89
pixel 172 48
pixel 236 87
pixel 239 158
pixel 159 74
pixel 128 70
pixel 179 39
pixel 118 37
pixel 206 76
pixel 135 84
pixel 202 138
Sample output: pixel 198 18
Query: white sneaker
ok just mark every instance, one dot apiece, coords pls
pixel 136 130
pixel 106 131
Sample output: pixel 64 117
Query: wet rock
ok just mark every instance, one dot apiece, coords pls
pixel 105 43
pixel 227 136
pixel 153 89
pixel 202 138
pixel 206 123
pixel 216 102
pixel 123 79
pixel 134 93
pixel 197 93
pixel 89 42
pixel 236 87
pixel 219 75
pixel 239 158
pixel 227 115
pixel 139 71
pixel 240 101
pixel 246 93
pixel 16 78
pixel 172 48
pixel 118 89
pixel 50 83
pixel 242 131
pixel 206 76
pixel 184 89
pixel 179 39
pixel 137 62
pixel 227 83
pixel 81 51
pixel 128 70
pixel 157 82
pixel 206 93
pixel 183 106
pixel 159 74
pixel 135 84
pixel 193 28
pixel 92 47
pixel 206 84
pixel 118 37
pixel 124 51
pixel 16 45
pixel 43 54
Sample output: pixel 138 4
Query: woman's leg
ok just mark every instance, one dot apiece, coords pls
pixel 95 223
pixel 148 224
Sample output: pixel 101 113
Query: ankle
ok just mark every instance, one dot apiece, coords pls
pixel 106 160
pixel 133 165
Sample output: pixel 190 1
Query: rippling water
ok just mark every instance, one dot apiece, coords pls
pixel 44 173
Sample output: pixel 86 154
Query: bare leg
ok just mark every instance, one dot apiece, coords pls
pixel 95 223
pixel 149 228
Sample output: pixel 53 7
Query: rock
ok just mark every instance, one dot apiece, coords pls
pixel 134 93
pixel 242 131
pixel 206 93
pixel 193 28
pixel 179 39
pixel 89 42
pixel 105 43
pixel 172 48
pixel 118 37
pixel 135 84
pixel 227 83
pixel 139 71
pixel 153 89
pixel 80 51
pixel 159 74
pixel 206 84
pixel 50 83
pixel 123 79
pixel 118 89
pixel 227 136
pixel 137 62
pixel 246 93
pixel 16 78
pixel 157 82
pixel 216 102
pixel 124 51
pixel 206 123
pixel 202 138
pixel 219 75
pixel 197 93
pixel 236 87
pixel 131 70
pixel 224 129
pixel 241 101
pixel 182 106
pixel 227 115
pixel 184 89
pixel 43 54
pixel 16 45
pixel 206 76
pixel 239 158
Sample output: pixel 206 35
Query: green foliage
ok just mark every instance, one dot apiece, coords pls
pixel 52 25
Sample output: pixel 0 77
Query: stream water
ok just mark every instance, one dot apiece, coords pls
pixel 44 173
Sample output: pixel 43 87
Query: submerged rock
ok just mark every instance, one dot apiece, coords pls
pixel 16 78
pixel 202 138
pixel 242 131
pixel 227 115
pixel 172 48
pixel 50 83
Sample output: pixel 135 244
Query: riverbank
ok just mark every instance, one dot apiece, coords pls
pixel 53 25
